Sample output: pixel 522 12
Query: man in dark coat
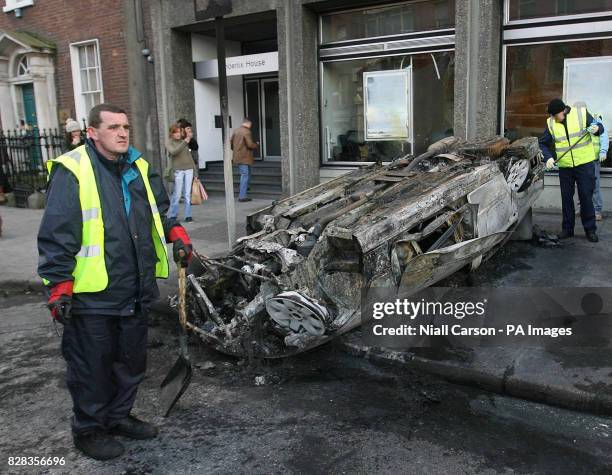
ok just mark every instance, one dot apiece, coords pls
pixel 242 146
pixel 102 243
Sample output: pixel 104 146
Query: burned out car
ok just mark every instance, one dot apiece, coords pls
pixel 296 280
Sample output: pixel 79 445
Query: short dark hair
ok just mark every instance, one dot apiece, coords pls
pixel 94 118
pixel 183 123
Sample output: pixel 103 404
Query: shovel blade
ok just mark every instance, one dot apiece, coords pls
pixel 174 384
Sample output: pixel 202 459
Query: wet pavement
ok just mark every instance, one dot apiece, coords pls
pixel 323 412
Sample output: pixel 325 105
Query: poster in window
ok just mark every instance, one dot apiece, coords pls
pixel 588 80
pixel 387 105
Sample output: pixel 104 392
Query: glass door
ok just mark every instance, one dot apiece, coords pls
pixel 253 111
pixel 271 122
pixel 262 107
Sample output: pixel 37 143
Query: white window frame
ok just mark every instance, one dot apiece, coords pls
pixel 79 103
pixel 12 5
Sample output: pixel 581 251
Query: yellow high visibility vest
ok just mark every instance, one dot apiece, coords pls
pixel 90 274
pixel 576 127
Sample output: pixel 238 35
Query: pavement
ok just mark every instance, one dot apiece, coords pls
pixel 18 248
pixel 575 378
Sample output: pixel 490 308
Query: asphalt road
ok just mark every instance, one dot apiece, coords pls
pixel 324 412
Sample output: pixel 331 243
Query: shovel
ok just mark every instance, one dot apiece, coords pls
pixel 178 378
pixel 570 149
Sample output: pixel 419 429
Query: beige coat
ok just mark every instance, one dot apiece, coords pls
pixel 242 146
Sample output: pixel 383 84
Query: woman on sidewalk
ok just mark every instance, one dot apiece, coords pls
pixel 184 168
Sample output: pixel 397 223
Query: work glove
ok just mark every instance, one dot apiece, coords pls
pixel 550 163
pixel 593 128
pixel 603 156
pixel 60 301
pixel 181 242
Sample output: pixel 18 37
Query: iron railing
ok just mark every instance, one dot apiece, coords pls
pixel 24 154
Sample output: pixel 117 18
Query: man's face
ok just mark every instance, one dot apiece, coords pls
pixel 559 116
pixel 112 137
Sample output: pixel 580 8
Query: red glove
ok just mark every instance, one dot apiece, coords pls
pixel 60 301
pixel 181 242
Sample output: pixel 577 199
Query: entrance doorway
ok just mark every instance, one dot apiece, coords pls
pixel 262 107
pixel 29 105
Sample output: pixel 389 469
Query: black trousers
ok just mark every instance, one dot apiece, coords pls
pixel 106 358
pixel 583 177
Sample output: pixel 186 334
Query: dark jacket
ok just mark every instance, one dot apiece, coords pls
pixel 242 145
pixel 128 245
pixel 547 141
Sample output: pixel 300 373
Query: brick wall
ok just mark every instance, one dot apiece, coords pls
pixel 64 22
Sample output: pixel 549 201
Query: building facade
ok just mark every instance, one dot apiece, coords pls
pixel 58 59
pixel 332 85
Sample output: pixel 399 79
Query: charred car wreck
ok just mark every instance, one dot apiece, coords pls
pixel 295 281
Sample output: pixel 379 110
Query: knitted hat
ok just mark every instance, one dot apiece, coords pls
pixel 555 106
pixel 72 125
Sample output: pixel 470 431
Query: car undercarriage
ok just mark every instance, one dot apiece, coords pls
pixel 296 280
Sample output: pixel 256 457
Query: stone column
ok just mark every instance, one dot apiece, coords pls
pixel 299 96
pixel 171 50
pixel 142 96
pixel 477 67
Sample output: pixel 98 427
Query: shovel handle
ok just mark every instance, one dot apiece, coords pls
pixel 182 286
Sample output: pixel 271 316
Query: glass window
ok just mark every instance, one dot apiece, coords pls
pixel 422 15
pixel 23 69
pixel 87 77
pixel 526 9
pixel 343 108
pixel 535 75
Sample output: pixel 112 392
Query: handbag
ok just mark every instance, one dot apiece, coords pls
pixel 198 193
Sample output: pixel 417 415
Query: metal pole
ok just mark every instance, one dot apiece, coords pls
pixel 227 154
pixel 290 119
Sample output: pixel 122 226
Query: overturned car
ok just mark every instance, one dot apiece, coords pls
pixel 296 280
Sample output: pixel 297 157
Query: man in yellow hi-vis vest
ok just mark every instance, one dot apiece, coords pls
pixel 570 133
pixel 102 244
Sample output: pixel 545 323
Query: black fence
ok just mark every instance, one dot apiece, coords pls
pixel 23 157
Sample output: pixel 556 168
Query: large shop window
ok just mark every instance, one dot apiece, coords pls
pixel 529 9
pixel 360 124
pixel 86 76
pixel 410 17
pixel 572 70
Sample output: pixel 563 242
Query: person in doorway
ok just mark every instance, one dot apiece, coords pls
pixel 242 155
pixel 24 129
pixel 570 130
pixel 184 169
pixel 102 244
pixel 74 137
